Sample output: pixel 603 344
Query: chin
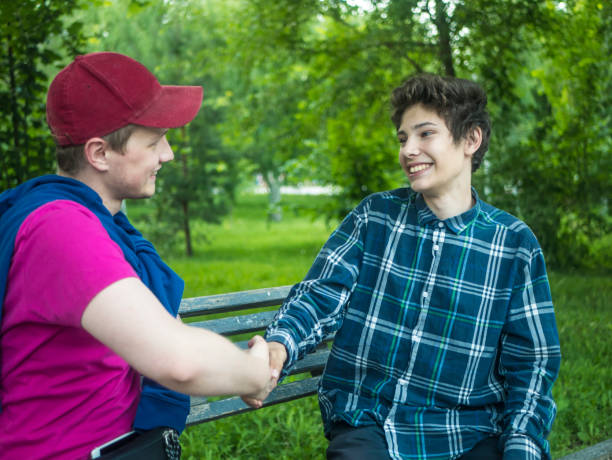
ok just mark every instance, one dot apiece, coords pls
pixel 149 190
pixel 417 186
pixel 146 193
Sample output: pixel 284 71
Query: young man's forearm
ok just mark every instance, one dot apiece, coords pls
pixel 128 318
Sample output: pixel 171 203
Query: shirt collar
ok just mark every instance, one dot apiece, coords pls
pixel 456 224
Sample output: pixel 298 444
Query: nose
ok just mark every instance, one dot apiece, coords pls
pixel 409 149
pixel 166 154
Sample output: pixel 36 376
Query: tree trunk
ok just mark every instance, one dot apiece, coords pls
pixel 445 50
pixel 19 173
pixel 186 229
pixel 185 203
pixel 274 197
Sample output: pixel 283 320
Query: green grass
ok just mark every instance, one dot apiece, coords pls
pixel 583 391
pixel 247 252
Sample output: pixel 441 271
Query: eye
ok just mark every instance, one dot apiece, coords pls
pixel 426 133
pixel 155 142
pixel 401 140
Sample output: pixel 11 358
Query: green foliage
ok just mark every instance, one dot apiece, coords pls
pixel 299 90
pixel 264 88
pixel 600 252
pixel 562 144
pixel 200 182
pixel 197 184
pixel 545 66
pixel 246 252
pixel 34 35
pixel 338 106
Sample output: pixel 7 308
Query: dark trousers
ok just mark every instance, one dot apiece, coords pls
pixel 369 443
pixel 484 450
pixel 357 443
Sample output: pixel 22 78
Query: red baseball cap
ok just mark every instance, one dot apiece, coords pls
pixel 99 93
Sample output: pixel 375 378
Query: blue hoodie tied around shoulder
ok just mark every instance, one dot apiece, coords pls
pixel 159 406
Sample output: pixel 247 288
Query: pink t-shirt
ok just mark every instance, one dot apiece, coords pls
pixel 62 391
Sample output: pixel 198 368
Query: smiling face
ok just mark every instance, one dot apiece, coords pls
pixel 436 165
pixel 132 173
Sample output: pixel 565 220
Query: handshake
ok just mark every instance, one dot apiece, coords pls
pixel 272 355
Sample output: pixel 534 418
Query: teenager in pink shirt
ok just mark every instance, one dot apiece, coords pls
pixel 88 307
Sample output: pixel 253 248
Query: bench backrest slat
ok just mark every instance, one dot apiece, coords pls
pixel 233 301
pixel 233 325
pixel 207 412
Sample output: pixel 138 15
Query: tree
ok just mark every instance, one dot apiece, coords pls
pixel 34 36
pixel 178 42
pixel 350 59
pixel 300 89
pixel 261 123
pixel 264 85
pixel 567 148
pixel 548 92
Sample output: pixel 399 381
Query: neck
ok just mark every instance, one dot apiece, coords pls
pixel 113 205
pixel 450 204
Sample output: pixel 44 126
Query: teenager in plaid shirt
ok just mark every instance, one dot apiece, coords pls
pixel 446 345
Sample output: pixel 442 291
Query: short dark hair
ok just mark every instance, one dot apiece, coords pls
pixel 70 158
pixel 461 103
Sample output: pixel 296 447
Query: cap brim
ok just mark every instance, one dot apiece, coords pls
pixel 174 107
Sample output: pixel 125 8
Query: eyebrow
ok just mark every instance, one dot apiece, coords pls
pixel 156 134
pixel 425 123
pixel 159 132
pixel 417 126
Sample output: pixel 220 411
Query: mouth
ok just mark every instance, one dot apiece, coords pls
pixel 418 168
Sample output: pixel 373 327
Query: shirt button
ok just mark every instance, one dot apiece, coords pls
pixel 440 224
pixel 425 294
pixel 436 247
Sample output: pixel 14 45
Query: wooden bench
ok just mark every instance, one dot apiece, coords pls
pixel 600 451
pixel 248 318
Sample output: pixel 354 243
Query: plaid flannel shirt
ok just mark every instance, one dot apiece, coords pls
pixel 445 330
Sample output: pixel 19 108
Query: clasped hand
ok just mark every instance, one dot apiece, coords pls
pixel 277 355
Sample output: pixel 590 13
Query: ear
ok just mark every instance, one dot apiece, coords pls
pixel 473 141
pixel 95 153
